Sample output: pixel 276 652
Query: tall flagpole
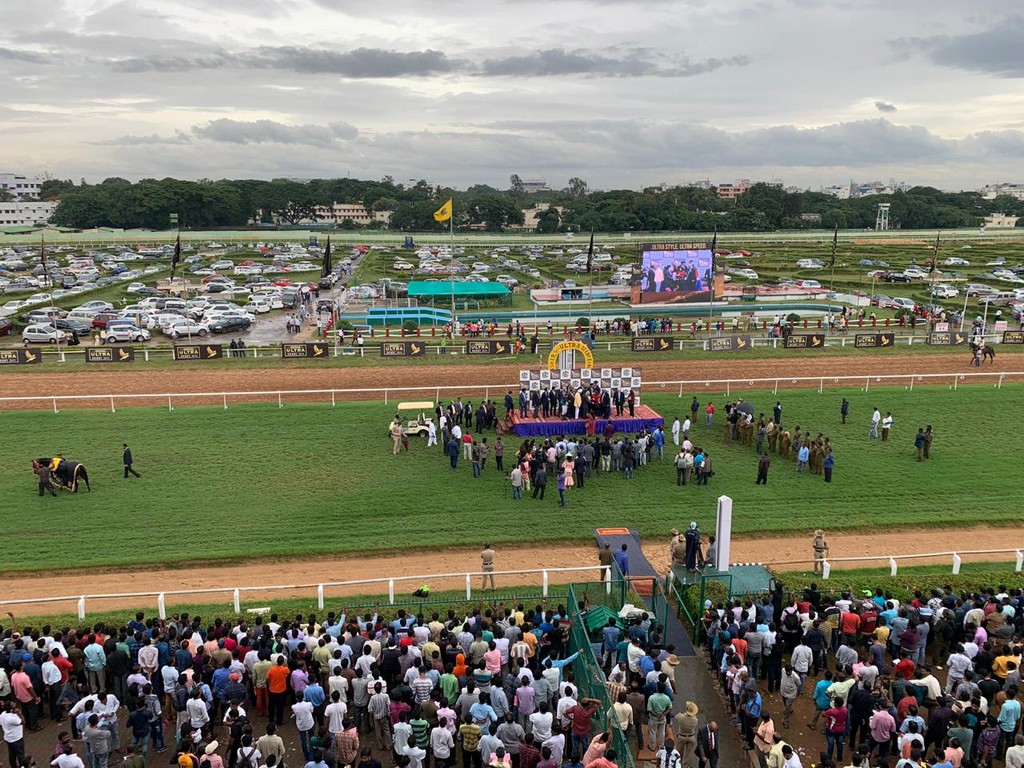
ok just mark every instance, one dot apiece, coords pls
pixel 451 278
pixel 711 297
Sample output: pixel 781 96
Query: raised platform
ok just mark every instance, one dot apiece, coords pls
pixel 644 416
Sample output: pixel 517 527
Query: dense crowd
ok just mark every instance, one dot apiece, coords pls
pixel 933 680
pixel 491 688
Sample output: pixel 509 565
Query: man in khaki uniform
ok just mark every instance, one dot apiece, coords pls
pixel 820 547
pixel 784 441
pixel 487 561
pixel 686 725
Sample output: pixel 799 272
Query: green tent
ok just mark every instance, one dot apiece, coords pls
pixel 597 617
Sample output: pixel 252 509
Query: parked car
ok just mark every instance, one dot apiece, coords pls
pixel 944 291
pixel 881 301
pixel 42 334
pixel 956 261
pixel 229 323
pixel 978 289
pixel 186 327
pixel 895 277
pixel 119 332
pixel 6 326
pixel 810 264
pixel 901 302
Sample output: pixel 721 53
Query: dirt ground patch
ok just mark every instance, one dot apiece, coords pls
pixel 107 382
pixel 306 573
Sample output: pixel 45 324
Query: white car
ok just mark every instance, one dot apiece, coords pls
pixel 223 264
pixel 257 305
pixel 113 334
pixel 39 298
pixel 744 272
pixel 164 320
pixel 901 302
pixel 186 327
pixel 272 298
pixel 507 280
pixel 134 287
pixel 12 306
pixel 42 334
pixel 946 292
pixel 955 261
pixel 915 272
pixel 810 264
pixel 98 306
pixel 403 266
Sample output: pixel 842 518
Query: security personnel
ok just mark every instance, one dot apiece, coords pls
pixel 128 461
pixel 44 480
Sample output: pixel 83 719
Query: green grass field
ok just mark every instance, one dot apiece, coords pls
pixel 256 481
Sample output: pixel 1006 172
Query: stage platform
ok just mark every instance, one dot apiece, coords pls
pixel 644 416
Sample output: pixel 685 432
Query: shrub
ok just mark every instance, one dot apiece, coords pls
pixel 582 322
pixel 410 326
pixel 793 317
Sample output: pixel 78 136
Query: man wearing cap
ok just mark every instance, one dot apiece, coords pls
pixel 686 726
pixel 820 547
pixel 487 563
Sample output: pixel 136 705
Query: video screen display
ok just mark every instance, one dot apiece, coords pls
pixel 676 272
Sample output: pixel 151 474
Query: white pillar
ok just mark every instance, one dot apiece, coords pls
pixel 956 563
pixel 81 607
pixel 161 606
pixel 320 597
pixel 391 591
pixel 469 587
pixel 545 583
pixel 826 570
pixel 723 533
pixel 892 567
pixel 237 601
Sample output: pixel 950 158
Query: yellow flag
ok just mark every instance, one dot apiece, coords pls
pixel 444 212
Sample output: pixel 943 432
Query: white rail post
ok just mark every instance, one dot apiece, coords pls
pixel 911 383
pixel 81 608
pixel 607 579
pixel 145 355
pixel 237 601
pixel 826 570
pixel 161 607
pixel 320 597
pixel 544 582
pixel 821 386
pixel 956 564
pixel 112 404
pixel 55 405
pixel 867 383
pixel 333 401
pixel 170 407
pixel 279 403
pixel 1020 561
pixel 469 587
pixel 391 591
pixel 225 401
pixel 892 566
pixel 385 397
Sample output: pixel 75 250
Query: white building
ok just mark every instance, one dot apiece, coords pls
pixel 840 191
pixel 21 187
pixel 25 214
pixel 992 191
pixel 1001 221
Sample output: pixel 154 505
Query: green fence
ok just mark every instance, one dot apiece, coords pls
pixel 586 668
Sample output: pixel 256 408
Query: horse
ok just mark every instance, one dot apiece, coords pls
pixel 69 473
pixel 987 351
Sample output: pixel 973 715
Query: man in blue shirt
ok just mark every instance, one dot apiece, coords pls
pixel 659 443
pixel 611 634
pixel 622 560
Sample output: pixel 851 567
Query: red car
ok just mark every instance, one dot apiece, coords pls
pixel 100 321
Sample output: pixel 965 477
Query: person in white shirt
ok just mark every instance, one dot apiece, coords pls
pixel 876 417
pixel 540 722
pixel 442 744
pixel 431 434
pixel 675 431
pixel 302 713
pixel 792 760
pixel 335 713
pixel 68 760
pixel 1015 754
pixel 198 717
pixel 686 429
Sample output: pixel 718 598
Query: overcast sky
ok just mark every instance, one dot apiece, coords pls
pixel 623 93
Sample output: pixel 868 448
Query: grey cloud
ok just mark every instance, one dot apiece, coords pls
pixel 178 138
pixel 885 106
pixel 358 63
pixel 994 51
pixel 558 61
pixel 273 132
pixel 32 57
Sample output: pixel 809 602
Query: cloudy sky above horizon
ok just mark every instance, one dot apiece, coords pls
pixel 623 93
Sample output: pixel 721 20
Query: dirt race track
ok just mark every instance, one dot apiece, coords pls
pixel 184 379
pixel 454 560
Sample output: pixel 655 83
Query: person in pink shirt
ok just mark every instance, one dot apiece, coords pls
pixel 882 727
pixel 300 678
pixel 492 659
pixel 21 688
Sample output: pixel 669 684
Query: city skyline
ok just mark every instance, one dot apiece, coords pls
pixel 623 94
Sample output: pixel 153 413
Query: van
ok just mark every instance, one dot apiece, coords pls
pixel 999 298
pixel 82 315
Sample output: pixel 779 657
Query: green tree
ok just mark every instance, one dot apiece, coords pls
pixel 577 187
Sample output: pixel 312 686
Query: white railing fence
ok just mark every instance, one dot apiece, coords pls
pixel 728 386
pixel 956 559
pixel 321 588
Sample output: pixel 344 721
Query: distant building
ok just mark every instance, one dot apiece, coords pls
pixel 532 215
pixel 531 187
pixel 25 214
pixel 992 191
pixel 340 212
pixel 878 188
pixel 21 187
pixel 840 191
pixel 1001 221
pixel 811 218
pixel 734 190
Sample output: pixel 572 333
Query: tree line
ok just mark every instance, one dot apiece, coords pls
pixel 208 204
